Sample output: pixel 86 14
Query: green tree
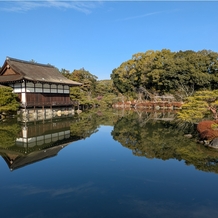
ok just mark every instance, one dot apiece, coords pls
pixel 8 100
pixel 85 93
pixel 106 93
pixel 88 80
pixel 104 87
pixel 180 73
pixel 199 106
pixel 125 77
pixel 65 73
pixel 92 92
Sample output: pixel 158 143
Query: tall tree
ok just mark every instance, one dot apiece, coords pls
pixel 182 72
pixel 86 92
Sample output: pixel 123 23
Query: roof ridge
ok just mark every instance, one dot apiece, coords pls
pixel 28 62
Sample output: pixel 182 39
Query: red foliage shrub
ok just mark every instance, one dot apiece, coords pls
pixel 208 129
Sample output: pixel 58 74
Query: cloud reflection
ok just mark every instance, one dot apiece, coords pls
pixel 158 208
pixel 33 190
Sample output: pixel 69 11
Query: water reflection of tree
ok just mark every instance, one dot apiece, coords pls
pixel 26 143
pixel 9 131
pixel 164 140
pixel 141 132
pixel 88 122
pixel 81 126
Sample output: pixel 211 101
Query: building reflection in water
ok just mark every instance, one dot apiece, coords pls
pixel 37 141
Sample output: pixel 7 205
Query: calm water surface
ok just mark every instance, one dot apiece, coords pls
pixel 99 165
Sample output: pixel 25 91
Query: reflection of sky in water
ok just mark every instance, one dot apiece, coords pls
pixel 98 177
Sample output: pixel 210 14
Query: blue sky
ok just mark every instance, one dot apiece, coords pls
pixel 100 35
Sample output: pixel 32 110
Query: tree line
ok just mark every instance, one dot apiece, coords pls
pixel 183 74
pixel 179 73
pixel 93 92
pixel 191 77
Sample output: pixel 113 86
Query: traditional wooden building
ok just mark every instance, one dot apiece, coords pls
pixel 37 85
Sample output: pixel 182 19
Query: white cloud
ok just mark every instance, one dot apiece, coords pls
pixel 140 16
pixel 26 5
pixel 146 15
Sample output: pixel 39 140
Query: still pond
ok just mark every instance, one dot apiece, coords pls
pixel 109 164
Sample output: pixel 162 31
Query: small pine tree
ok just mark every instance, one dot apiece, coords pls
pixel 199 105
pixel 8 100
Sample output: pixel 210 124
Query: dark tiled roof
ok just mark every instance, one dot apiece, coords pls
pixel 35 72
pixel 10 78
pixel 23 160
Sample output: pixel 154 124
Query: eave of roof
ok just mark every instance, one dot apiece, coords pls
pixel 35 72
pixel 10 78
